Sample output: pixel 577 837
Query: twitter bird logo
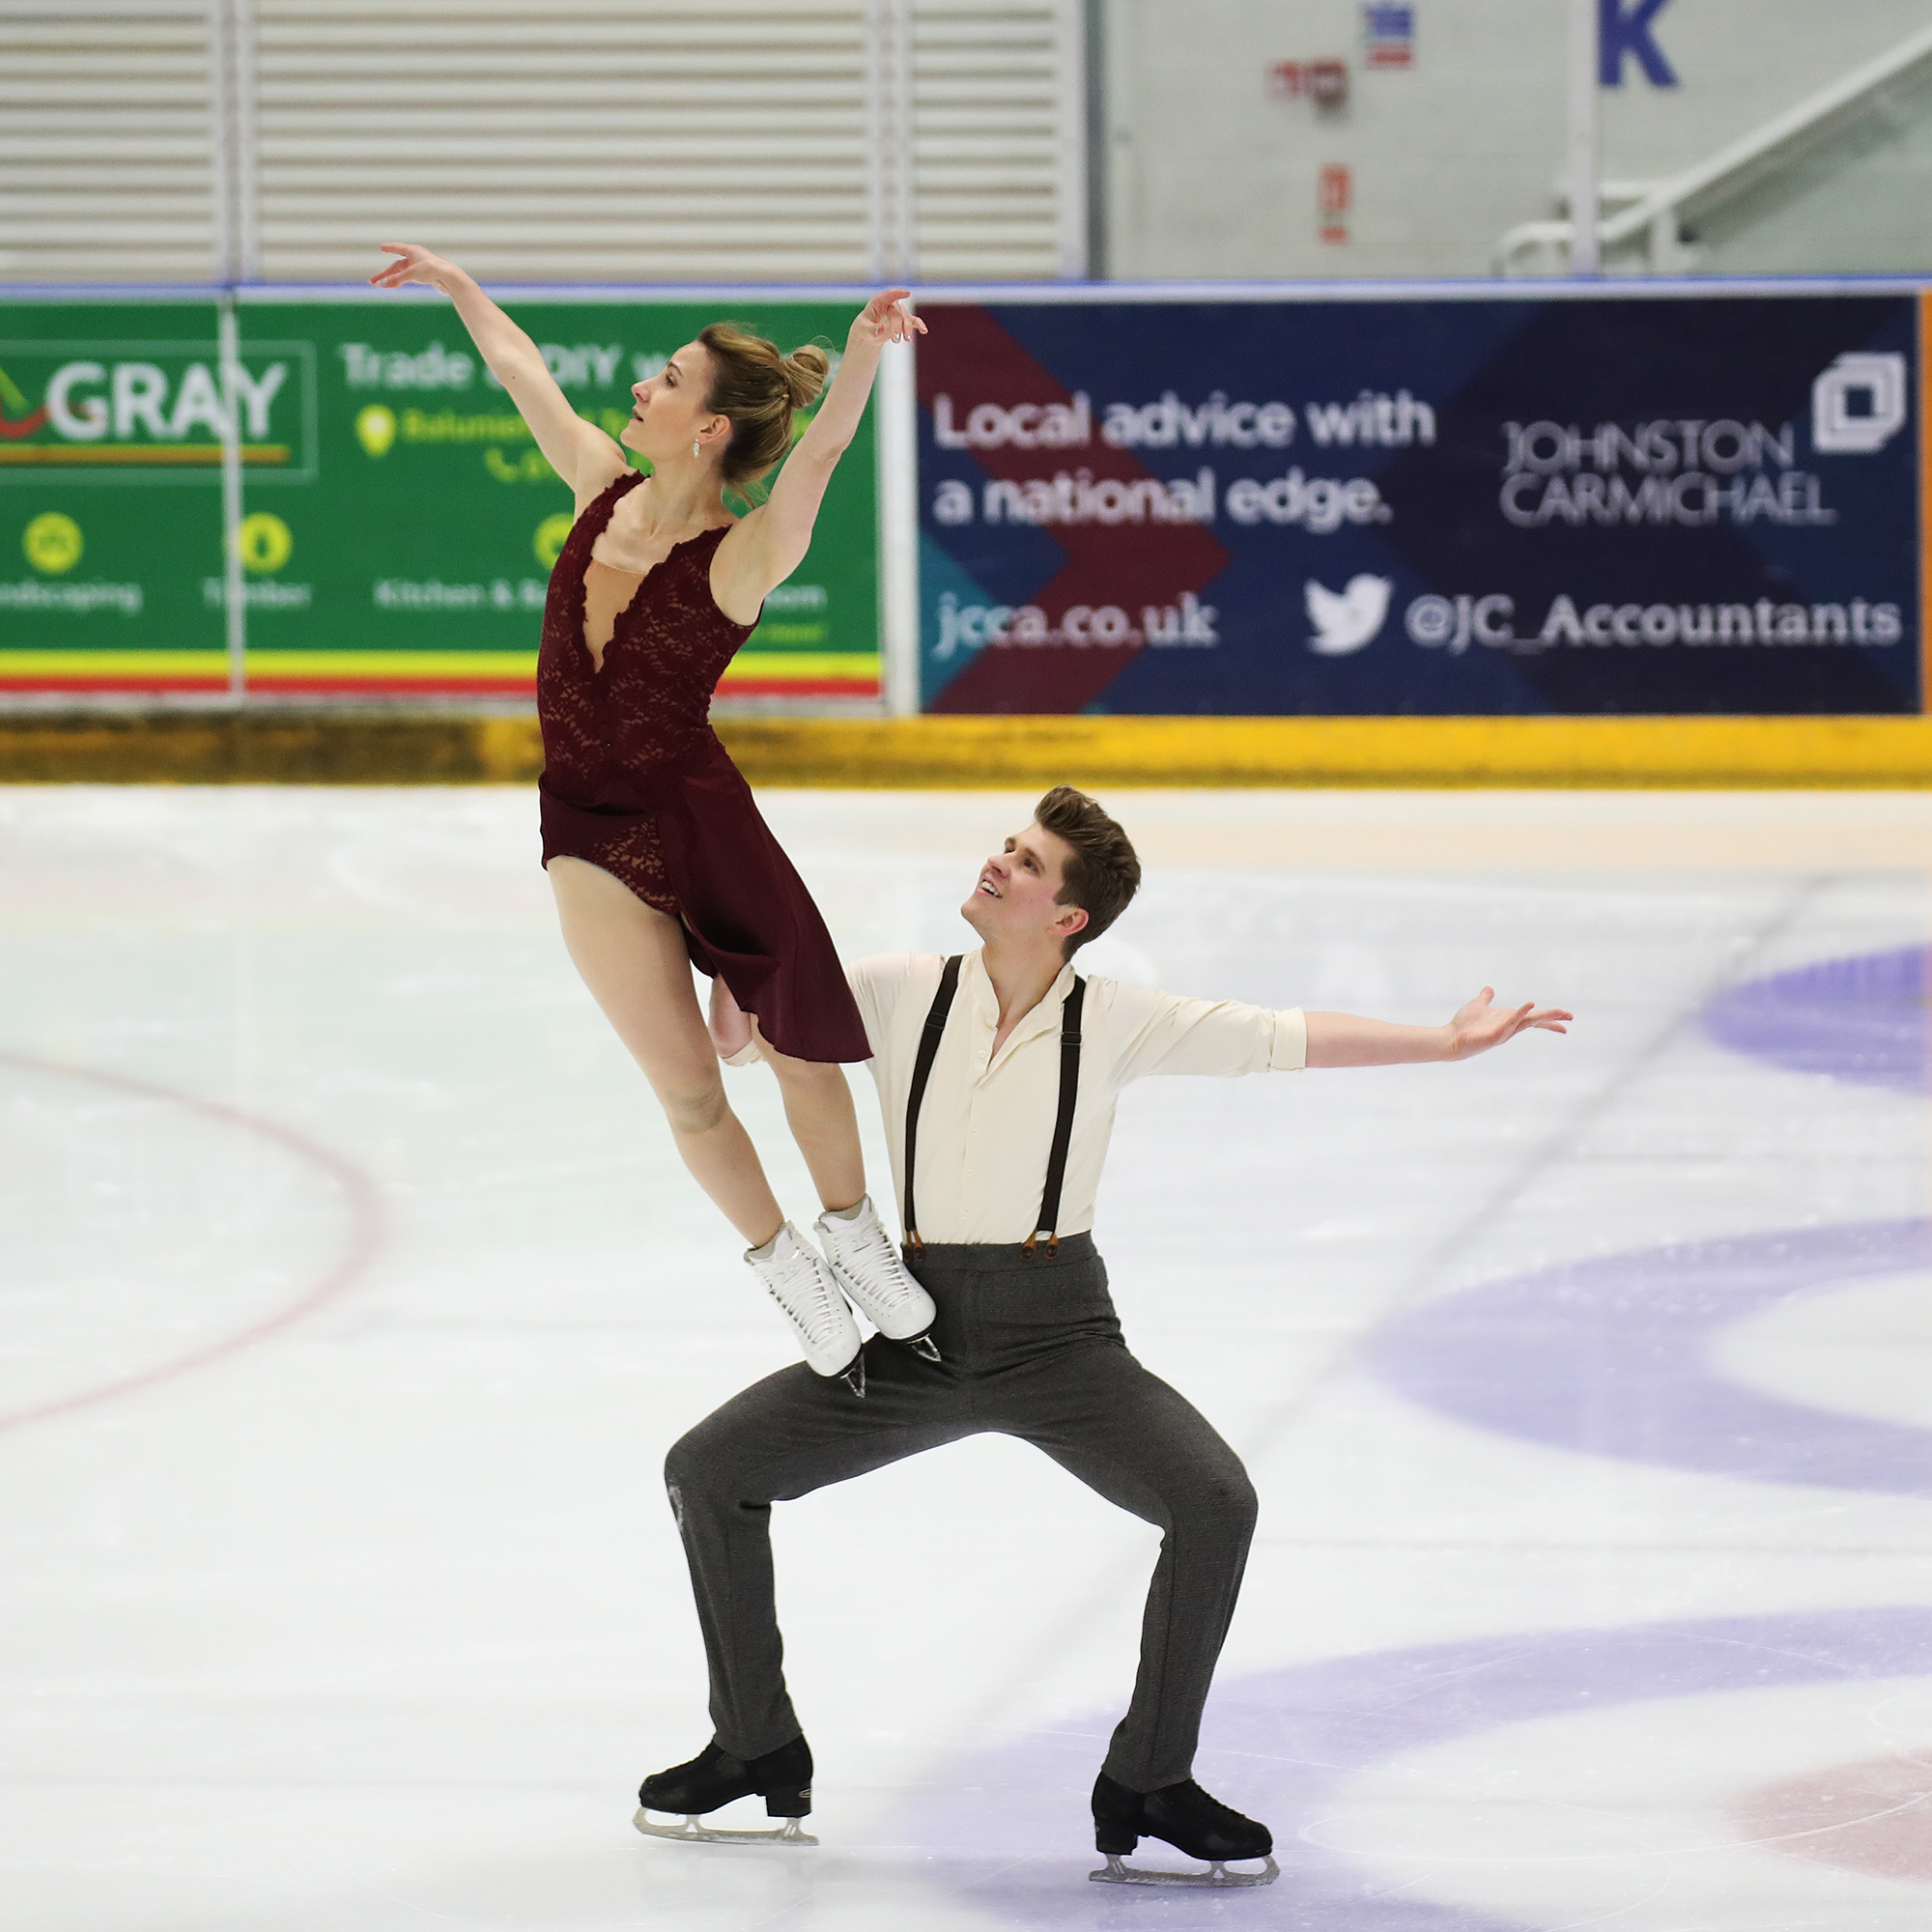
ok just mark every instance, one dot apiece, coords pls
pixel 1344 621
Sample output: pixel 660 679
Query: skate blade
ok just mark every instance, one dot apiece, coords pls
pixel 693 1830
pixel 1218 1875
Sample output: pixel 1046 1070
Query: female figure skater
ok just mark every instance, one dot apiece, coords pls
pixel 656 853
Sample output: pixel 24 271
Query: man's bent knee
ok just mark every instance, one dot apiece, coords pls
pixel 710 1471
pixel 1235 1498
pixel 1225 1496
pixel 684 1473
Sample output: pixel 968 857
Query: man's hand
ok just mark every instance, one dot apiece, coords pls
pixel 1480 1026
pixel 1346 1039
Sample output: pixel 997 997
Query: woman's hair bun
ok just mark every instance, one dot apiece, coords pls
pixel 806 370
pixel 759 390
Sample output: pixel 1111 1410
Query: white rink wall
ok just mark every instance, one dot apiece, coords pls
pixel 1210 176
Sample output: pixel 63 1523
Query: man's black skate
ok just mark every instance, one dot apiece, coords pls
pixel 1185 1817
pixel 714 1778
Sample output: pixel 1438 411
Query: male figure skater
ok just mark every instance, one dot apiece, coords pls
pixel 998 1074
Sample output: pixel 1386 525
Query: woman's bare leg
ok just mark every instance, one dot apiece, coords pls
pixel 818 1106
pixel 632 959
pixel 729 1023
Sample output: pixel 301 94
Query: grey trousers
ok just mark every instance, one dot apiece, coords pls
pixel 1032 1349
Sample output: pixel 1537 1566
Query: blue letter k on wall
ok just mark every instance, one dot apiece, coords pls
pixel 1623 28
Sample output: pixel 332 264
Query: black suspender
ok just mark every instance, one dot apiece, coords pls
pixel 928 1048
pixel 1062 1125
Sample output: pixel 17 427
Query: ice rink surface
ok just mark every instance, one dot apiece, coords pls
pixel 351 1296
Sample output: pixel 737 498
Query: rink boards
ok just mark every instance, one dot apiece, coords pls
pixel 390 523
pixel 1556 499
pixel 398 745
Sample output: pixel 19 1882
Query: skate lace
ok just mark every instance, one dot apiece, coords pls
pixel 798 1287
pixel 873 1266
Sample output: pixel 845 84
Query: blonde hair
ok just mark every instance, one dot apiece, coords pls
pixel 758 390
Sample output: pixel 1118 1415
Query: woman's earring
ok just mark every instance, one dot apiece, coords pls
pixel 693 446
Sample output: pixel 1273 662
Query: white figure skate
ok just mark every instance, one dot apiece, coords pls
pixel 866 1266
pixel 799 1281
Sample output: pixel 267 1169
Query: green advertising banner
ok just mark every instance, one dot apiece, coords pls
pixel 111 425
pixel 397 522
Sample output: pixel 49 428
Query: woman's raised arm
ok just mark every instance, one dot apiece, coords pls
pixel 771 541
pixel 578 451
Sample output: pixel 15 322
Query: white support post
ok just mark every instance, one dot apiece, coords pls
pixel 1073 94
pixel 221 145
pixel 888 115
pixel 235 601
pixel 241 122
pixel 1583 170
pixel 896 406
pixel 232 170
pixel 231 70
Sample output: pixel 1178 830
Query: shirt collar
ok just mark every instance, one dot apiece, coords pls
pixel 1043 1017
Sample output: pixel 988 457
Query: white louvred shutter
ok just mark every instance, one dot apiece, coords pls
pixel 106 148
pixel 999 138
pixel 590 140
pixel 580 140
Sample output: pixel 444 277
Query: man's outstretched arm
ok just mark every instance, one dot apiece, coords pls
pixel 1344 1040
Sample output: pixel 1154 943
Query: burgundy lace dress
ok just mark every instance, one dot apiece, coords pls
pixel 635 782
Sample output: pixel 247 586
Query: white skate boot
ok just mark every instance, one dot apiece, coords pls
pixel 866 1266
pixel 804 1287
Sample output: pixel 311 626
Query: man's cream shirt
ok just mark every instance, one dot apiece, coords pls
pixel 987 1124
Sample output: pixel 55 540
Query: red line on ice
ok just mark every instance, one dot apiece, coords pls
pixel 359 1195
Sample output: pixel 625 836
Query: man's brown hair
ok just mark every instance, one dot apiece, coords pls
pixel 1102 875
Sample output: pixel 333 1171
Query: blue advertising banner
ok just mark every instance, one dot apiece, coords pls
pixel 1666 504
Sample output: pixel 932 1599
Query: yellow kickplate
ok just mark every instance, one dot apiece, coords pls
pixel 449 746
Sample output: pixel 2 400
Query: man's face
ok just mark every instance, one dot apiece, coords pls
pixel 1018 888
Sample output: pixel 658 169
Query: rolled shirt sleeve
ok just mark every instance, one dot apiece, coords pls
pixel 1165 1032
pixel 1290 1041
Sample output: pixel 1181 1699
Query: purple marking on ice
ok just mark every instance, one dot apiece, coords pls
pixel 1006 1827
pixel 1610 1357
pixel 1861 1019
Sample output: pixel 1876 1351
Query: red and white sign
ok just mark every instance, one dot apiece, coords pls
pixel 1334 194
pixel 1326 82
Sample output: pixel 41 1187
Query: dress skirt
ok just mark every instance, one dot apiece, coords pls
pixel 748 917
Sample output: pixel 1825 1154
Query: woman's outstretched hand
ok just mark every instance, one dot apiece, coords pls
pixel 1480 1026
pixel 417 265
pixel 884 319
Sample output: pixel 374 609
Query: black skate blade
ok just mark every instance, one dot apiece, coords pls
pixel 923 1346
pixel 1218 1875
pixel 693 1830
pixel 853 1374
